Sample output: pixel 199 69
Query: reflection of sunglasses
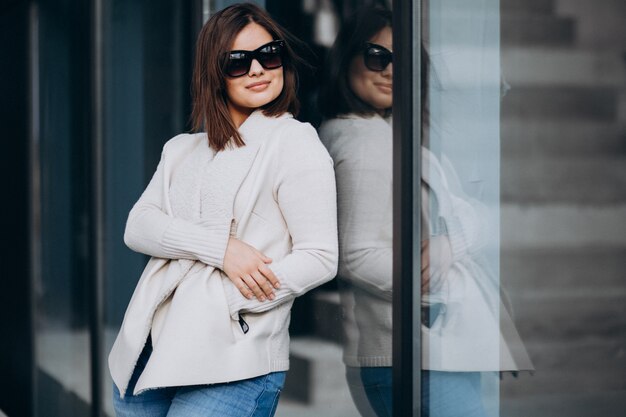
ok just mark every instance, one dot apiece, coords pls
pixel 270 56
pixel 376 57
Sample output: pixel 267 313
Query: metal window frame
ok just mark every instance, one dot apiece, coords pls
pixel 96 283
pixel 406 218
pixel 34 192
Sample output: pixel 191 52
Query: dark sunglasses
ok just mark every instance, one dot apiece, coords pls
pixel 270 56
pixel 376 57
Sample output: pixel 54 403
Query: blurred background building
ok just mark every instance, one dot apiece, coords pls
pixel 91 90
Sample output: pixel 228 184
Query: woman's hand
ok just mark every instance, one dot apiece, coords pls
pixel 436 262
pixel 247 269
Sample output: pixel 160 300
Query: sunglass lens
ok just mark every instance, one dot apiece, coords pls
pixel 270 56
pixel 376 59
pixel 271 60
pixel 373 62
pixel 237 65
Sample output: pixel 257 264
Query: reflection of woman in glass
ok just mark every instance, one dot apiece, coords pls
pixel 356 100
pixel 239 221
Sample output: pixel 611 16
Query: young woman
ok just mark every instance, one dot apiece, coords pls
pixel 460 332
pixel 239 220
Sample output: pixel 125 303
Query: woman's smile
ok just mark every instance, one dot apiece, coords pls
pixel 258 86
pixel 385 87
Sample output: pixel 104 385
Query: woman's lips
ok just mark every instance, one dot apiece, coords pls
pixel 258 86
pixel 385 88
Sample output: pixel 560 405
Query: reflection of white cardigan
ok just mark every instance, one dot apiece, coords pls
pixel 277 194
pixel 472 335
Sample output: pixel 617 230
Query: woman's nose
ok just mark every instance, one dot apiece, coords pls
pixel 255 68
pixel 388 71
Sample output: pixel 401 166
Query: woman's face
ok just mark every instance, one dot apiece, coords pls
pixel 373 87
pixel 259 86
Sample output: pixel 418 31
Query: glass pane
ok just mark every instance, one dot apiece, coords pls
pixel 461 304
pixel 524 147
pixel 146 102
pixel 341 332
pixel 563 211
pixel 61 307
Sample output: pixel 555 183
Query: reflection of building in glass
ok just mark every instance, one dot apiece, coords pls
pixel 562 209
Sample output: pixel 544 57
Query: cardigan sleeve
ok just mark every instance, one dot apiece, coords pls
pixel 152 231
pixel 306 194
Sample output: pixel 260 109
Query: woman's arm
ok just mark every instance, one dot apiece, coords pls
pixel 152 231
pixel 306 194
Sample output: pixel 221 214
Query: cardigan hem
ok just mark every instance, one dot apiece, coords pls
pixel 280 365
pixel 367 361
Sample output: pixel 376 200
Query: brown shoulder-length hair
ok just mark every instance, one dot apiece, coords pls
pixel 208 88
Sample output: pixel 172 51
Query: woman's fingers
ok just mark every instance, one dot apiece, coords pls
pixel 267 273
pixel 252 284
pixel 255 285
pixel 259 284
pixel 425 262
pixel 265 284
pixel 425 254
pixel 247 269
pixel 425 280
pixel 271 277
pixel 243 288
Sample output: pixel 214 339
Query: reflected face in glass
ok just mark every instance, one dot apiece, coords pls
pixel 258 86
pixel 373 87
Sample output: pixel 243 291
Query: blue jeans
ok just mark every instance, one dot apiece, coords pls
pixel 254 397
pixel 444 394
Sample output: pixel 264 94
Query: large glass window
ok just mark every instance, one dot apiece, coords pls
pixel 61 319
pixel 145 60
pixel 523 170
pixel 146 75
pixel 341 332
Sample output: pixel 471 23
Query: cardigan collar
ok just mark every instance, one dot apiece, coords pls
pixel 257 124
pixel 207 182
pixel 228 169
pixel 223 175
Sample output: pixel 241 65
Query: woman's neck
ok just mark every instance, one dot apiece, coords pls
pixel 239 114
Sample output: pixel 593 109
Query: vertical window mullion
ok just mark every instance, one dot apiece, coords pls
pixel 96 279
pixel 406 195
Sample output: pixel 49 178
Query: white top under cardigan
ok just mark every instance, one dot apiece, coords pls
pixel 277 194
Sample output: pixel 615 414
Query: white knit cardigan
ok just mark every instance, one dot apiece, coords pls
pixel 277 194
